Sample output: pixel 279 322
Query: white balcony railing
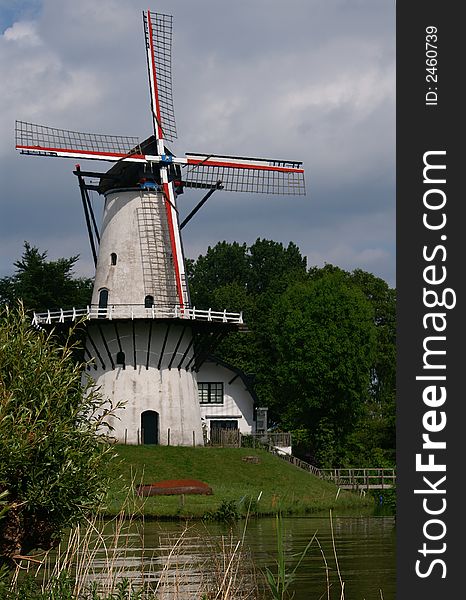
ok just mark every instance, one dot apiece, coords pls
pixel 135 311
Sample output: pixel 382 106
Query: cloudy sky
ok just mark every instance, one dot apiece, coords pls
pixel 310 80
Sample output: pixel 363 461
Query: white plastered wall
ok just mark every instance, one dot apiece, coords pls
pixel 171 392
pixel 238 403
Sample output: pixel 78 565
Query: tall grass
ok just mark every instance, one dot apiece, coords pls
pixel 108 561
pixel 280 580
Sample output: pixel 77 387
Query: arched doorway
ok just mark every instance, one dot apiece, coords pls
pixel 150 427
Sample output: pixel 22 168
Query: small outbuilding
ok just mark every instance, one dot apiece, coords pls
pixel 226 398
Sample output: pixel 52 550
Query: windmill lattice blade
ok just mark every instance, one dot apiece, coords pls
pixel 39 138
pixel 236 174
pixel 158 31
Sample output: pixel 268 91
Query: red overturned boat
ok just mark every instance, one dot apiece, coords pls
pixel 171 487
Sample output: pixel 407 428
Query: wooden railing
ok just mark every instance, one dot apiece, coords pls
pixel 297 462
pixel 347 479
pixel 361 479
pixel 280 440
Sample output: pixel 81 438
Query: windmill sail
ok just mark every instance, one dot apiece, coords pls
pixel 50 141
pixel 240 174
pixel 158 33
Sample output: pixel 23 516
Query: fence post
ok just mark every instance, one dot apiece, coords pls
pixel 168 437
pixel 194 438
pixel 138 437
pixel 126 436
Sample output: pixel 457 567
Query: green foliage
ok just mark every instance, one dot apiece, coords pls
pixel 54 455
pixel 322 336
pixel 373 441
pixel 321 345
pixel 41 284
pixel 227 512
pixel 259 271
pixel 247 279
pixel 385 500
pixel 62 588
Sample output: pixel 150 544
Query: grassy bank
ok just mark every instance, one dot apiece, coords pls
pixel 236 484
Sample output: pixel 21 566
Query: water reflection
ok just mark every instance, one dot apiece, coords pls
pixel 178 560
pixel 181 559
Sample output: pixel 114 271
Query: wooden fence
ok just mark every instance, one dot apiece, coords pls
pixel 360 479
pixel 232 438
pixel 227 438
pixel 277 440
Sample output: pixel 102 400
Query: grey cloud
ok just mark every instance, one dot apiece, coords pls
pixel 310 80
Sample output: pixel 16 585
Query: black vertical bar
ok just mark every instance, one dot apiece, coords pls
pixel 134 342
pixel 115 324
pixel 198 345
pixel 92 215
pixel 188 348
pixel 430 313
pixel 176 348
pixel 148 345
pixel 89 337
pixel 163 347
pixel 85 202
pixel 109 354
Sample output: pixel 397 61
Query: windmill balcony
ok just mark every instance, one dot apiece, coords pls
pixel 135 311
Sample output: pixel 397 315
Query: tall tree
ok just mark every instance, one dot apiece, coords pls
pixel 322 338
pixel 224 264
pixel 374 440
pixel 42 284
pixel 247 279
pixel 330 308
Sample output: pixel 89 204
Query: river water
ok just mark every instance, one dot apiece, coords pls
pixel 357 553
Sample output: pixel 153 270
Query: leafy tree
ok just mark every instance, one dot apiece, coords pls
pixel 260 280
pixel 41 284
pixel 374 440
pixel 322 338
pixel 242 278
pixel 280 299
pixel 53 455
pixel 224 264
pixel 272 267
pixel 262 269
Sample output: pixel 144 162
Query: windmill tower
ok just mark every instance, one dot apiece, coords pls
pixel 145 340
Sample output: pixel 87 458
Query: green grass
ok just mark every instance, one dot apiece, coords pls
pixel 284 488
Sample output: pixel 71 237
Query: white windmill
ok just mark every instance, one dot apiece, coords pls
pixel 146 340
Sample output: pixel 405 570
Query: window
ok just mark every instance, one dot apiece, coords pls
pixel 215 424
pixel 210 393
pixel 149 301
pixel 120 359
pixel 113 259
pixel 103 298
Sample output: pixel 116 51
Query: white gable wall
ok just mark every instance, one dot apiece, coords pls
pixel 238 404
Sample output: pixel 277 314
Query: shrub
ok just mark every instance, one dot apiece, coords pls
pixel 54 455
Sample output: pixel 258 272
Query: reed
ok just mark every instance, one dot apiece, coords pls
pixel 103 560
